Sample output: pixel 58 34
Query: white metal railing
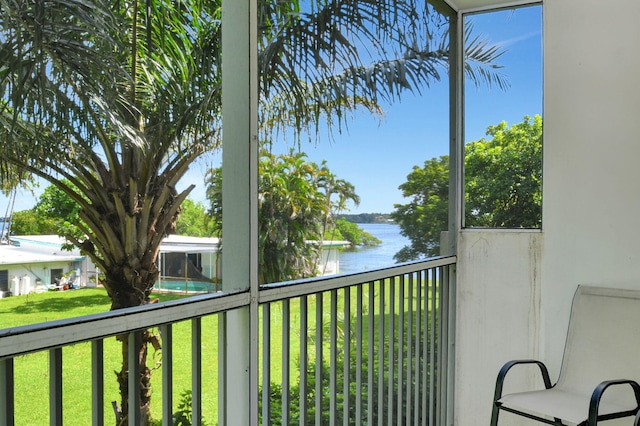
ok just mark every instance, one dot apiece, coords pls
pixel 374 347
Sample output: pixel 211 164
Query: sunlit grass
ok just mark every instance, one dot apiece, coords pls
pixel 31 371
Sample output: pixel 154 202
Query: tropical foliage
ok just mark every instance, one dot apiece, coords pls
pixel 111 102
pixel 296 204
pixel 503 188
pixel 194 220
pixel 425 216
pixel 503 177
pixel 55 213
pixel 28 222
pixel 119 98
pixel 345 230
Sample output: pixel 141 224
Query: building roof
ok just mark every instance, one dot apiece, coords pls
pixel 48 248
pixel 37 249
pixel 474 5
pixel 184 244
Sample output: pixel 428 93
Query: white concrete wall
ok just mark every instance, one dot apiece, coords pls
pixel 591 154
pixel 34 272
pixel 497 315
pixel 591 206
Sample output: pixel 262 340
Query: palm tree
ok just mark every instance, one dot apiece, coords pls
pixel 112 101
pixel 297 202
pixel 111 104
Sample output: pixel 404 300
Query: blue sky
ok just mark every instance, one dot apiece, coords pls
pixel 377 154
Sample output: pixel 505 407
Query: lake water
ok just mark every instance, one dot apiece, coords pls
pixel 364 259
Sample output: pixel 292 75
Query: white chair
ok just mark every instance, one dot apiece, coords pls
pixel 600 368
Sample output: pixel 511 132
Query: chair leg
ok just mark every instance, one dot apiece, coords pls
pixel 496 411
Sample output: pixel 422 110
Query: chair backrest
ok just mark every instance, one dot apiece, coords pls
pixel 603 341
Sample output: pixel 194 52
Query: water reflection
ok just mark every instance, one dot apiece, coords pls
pixel 367 258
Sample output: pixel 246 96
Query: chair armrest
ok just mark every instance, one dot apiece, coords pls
pixel 596 396
pixel 505 369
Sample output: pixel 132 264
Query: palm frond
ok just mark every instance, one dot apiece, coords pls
pixel 317 59
pixel 480 64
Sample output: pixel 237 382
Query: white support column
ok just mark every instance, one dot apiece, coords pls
pixel 456 132
pixel 456 196
pixel 240 215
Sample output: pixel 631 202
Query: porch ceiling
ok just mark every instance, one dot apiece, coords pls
pixel 471 5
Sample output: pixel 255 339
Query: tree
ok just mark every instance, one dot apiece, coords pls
pixel 55 213
pixel 367 217
pixel 119 98
pixel 111 102
pixel 503 184
pixel 56 204
pixel 426 215
pixel 29 222
pixel 194 221
pixel 503 177
pixel 297 200
pixel 353 233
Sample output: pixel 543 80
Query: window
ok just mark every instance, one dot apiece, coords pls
pixel 374 146
pixel 503 120
pixel 4 280
pixel 56 274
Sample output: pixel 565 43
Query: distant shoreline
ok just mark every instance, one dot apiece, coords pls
pixel 367 218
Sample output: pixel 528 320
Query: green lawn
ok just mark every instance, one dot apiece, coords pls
pixel 31 371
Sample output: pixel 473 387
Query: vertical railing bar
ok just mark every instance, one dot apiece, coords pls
pixel 166 333
pixel 391 371
pixel 304 360
pixel 370 352
pixel 417 368
pixel 381 353
pixel 133 379
pixel 409 348
pixel 401 303
pixel 97 382
pixel 346 391
pixel 425 348
pixel 254 353
pixel 444 348
pixel 7 402
pixel 222 368
pixel 55 386
pixel 433 346
pixel 196 371
pixel 442 343
pixel 439 337
pixel 359 353
pixel 450 274
pixel 319 332
pixel 333 377
pixel 266 364
pixel 442 308
pixel 286 361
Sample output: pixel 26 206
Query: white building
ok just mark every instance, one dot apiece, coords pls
pixel 38 263
pixel 194 263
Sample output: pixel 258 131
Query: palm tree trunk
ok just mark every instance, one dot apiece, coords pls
pixel 122 414
pixel 124 297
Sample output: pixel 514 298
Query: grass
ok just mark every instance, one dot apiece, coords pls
pixel 31 371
